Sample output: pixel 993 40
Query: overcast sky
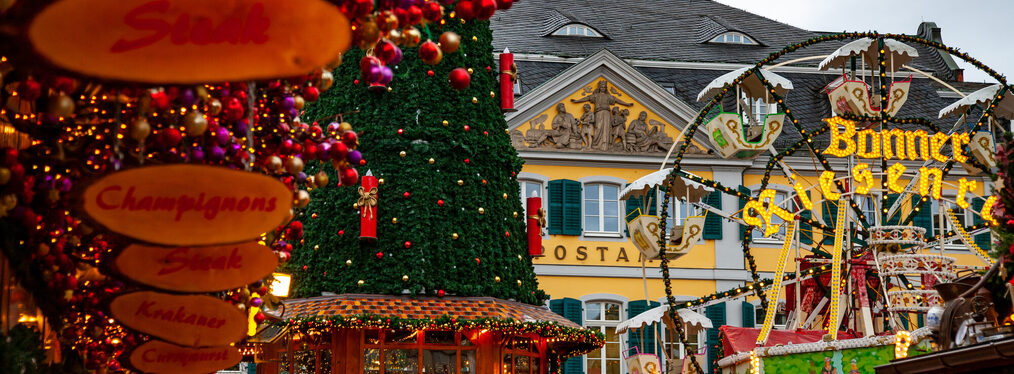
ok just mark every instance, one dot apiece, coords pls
pixel 982 28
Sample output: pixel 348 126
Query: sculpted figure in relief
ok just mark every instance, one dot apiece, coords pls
pixel 601 99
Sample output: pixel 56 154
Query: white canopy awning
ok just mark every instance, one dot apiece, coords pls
pixel 867 47
pixel 684 188
pixel 692 319
pixel 1005 109
pixel 751 85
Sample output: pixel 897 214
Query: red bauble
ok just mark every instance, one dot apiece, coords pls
pixel 408 244
pixel 234 109
pixel 415 15
pixel 441 293
pixel 338 151
pixel 360 8
pixel 504 4
pixel 465 10
pixel 259 317
pixel 350 139
pixel 432 11
pixel 159 101
pixel 171 137
pixel 440 203
pixel 311 93
pixel 459 78
pixel 30 89
pixel 430 53
pixel 349 176
pixel 484 9
pixel 385 50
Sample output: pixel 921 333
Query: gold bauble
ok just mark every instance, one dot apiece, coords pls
pixel 294 165
pixel 316 247
pixel 454 236
pixel 404 278
pixel 348 262
pixel 5 175
pixel 449 42
pixel 497 279
pixel 367 35
pixel 515 214
pixel 321 178
pixel 140 129
pixel 519 283
pixel 195 123
pixel 410 36
pixel 505 196
pixel 431 161
pixel 326 80
pixel 475 100
pixel 470 71
pixel 402 154
pixel 482 211
pixel 475 39
pixel 380 181
pixel 461 182
pixel 344 127
pixel 62 106
pixel 202 93
pixel 492 94
pixel 360 282
pixel 396 37
pixel 214 107
pixel 302 199
pixel 298 102
pixel 311 182
pixel 274 163
pixel 394 220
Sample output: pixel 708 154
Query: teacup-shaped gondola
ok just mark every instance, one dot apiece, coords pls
pixel 982 146
pixel 852 94
pixel 744 137
pixel 644 227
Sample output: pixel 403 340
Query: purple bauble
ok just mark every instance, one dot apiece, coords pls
pixel 288 103
pixel 256 302
pixel 375 74
pixel 197 154
pixel 355 157
pixel 187 98
pixel 396 58
pixel 333 127
pixel 293 113
pixel 322 151
pixel 234 148
pixel 242 126
pixel 216 153
pixel 222 136
pixel 386 75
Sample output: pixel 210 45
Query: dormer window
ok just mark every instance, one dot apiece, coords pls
pixel 733 37
pixel 577 29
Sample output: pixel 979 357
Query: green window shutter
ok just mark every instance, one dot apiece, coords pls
pixel 572 207
pixel 742 204
pixel 651 345
pixel 748 315
pixel 570 309
pixel 923 218
pixel 564 207
pixel 829 213
pixel 712 221
pixel 896 219
pixel 984 240
pixel 632 205
pixel 716 313
pixel 555 219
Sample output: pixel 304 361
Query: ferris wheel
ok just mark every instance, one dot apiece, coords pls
pixel 869 214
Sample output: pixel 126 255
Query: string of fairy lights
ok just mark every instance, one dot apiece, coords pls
pixel 807 139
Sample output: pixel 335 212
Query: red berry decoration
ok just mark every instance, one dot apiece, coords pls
pixel 459 78
pixel 440 203
pixel 380 255
pixel 430 53
pixel 430 73
pixel 441 293
pixel 484 9
pixel 401 131
pixel 408 244
pixel 406 194
pixel 467 128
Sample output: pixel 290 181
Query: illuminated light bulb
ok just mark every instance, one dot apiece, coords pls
pixel 958 142
pixel 924 183
pixel 838 139
pixel 910 145
pixel 938 141
pixel 826 183
pixel 874 144
pixel 964 185
pixel 987 210
pixel 894 173
pixel 864 177
pixel 804 198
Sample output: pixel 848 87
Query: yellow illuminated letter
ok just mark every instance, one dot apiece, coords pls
pixel 938 141
pixel 964 186
pixel 827 186
pixel 874 138
pixel 894 140
pixel 803 197
pixel 842 144
pixel 958 142
pixel 893 174
pixel 864 177
pixel 987 211
pixel 923 151
pixel 924 183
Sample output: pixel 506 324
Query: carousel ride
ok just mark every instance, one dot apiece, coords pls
pixel 868 228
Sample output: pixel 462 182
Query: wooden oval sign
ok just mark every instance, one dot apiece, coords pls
pixel 188 204
pixel 190 41
pixel 194 320
pixel 197 269
pixel 161 357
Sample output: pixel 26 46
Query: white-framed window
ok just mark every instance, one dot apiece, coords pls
pixel 532 188
pixel 761 109
pixel 577 29
pixel 868 205
pixel 732 37
pixel 758 232
pixel 603 315
pixel 678 211
pixel 601 209
pixel 673 344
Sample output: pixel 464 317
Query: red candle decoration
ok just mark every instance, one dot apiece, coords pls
pixel 536 220
pixel 368 208
pixel 508 77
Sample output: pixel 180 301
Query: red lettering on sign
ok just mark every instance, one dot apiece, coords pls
pixel 233 30
pixel 180 258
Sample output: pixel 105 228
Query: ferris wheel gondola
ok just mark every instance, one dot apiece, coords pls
pixel 739 135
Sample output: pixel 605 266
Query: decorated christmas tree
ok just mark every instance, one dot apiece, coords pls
pixel 449 218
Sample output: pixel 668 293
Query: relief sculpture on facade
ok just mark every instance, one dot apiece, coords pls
pixel 602 125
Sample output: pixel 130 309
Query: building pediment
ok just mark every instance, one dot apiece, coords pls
pixel 601 105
